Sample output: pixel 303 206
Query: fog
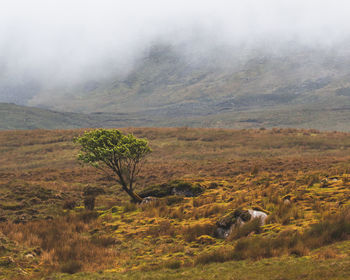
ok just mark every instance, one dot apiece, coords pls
pixel 50 43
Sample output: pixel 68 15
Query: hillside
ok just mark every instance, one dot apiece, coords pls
pixel 300 178
pixel 13 116
pixel 172 87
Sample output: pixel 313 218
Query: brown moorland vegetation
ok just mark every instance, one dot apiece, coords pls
pixel 45 228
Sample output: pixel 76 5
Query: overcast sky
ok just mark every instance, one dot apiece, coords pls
pixel 64 40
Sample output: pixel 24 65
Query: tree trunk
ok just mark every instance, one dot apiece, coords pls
pixel 135 197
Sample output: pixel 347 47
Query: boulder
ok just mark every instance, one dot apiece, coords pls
pixel 227 223
pixel 258 214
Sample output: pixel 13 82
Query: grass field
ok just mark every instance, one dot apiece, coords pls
pixel 46 232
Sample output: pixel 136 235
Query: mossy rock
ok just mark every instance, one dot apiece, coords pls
pixel 186 189
pixel 231 218
pixel 160 190
pixel 227 220
pixel 178 188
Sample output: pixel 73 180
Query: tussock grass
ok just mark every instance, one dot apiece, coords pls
pixel 63 243
pixel 42 184
pixel 331 229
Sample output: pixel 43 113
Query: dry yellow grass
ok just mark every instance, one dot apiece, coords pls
pixel 236 167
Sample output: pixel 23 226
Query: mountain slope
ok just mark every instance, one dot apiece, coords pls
pixel 21 117
pixel 300 87
pixel 166 80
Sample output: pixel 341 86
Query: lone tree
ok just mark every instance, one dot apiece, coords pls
pixel 118 155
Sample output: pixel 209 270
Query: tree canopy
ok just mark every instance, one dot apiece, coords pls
pixel 114 153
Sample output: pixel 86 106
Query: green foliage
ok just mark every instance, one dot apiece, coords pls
pixel 111 147
pixel 112 151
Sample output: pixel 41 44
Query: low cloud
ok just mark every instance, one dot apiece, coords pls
pixel 66 42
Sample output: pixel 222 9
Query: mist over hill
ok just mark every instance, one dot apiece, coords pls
pixel 167 86
pixel 222 64
pixel 224 88
pixel 165 81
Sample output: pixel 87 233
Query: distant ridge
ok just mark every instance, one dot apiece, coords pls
pixel 306 89
pixel 13 116
pixel 21 117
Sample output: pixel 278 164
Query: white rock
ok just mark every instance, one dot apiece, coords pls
pixel 258 214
